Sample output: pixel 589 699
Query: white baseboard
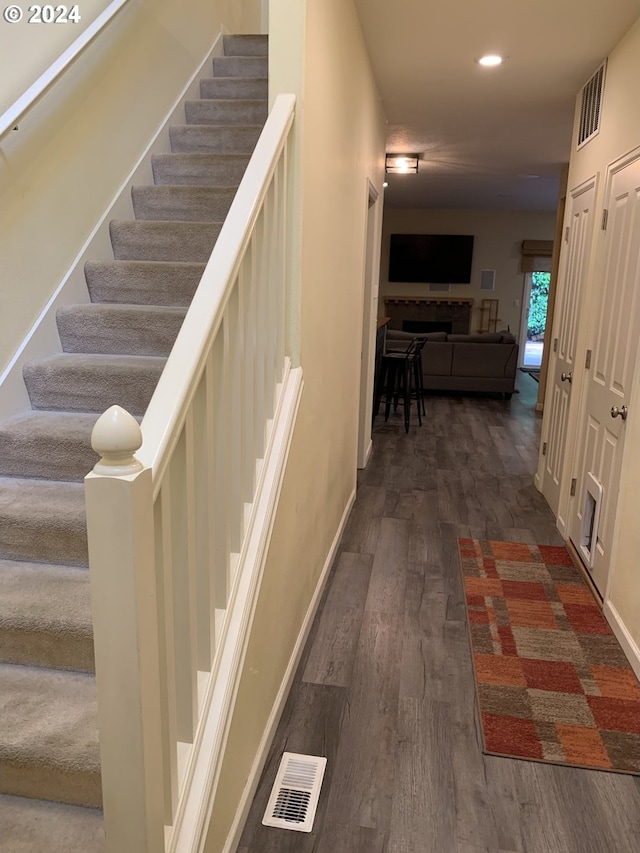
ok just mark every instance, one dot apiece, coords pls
pixel 629 645
pixel 235 832
pixel 42 339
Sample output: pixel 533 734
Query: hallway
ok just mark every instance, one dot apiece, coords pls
pixel 385 687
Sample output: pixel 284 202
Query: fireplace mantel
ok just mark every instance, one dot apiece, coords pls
pixel 449 309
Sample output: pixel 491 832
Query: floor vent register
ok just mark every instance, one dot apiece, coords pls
pixel 295 793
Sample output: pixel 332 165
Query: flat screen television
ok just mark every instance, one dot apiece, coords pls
pixel 431 258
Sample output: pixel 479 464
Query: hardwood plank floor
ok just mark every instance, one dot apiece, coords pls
pixel 385 687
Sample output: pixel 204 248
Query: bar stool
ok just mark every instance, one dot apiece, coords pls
pixel 401 380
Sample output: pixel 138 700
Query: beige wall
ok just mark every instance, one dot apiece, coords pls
pixel 28 49
pixel 498 238
pixel 340 131
pixel 620 122
pixel 61 169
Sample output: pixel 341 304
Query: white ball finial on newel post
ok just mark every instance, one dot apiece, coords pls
pixel 116 436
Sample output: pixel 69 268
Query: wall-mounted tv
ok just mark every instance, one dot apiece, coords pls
pixel 431 258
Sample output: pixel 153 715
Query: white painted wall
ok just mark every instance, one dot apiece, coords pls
pixel 60 170
pixel 340 136
pixel 498 239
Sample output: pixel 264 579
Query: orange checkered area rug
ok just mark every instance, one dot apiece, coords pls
pixel 552 682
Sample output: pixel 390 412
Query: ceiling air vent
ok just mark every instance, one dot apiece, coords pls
pixel 295 793
pixel 591 109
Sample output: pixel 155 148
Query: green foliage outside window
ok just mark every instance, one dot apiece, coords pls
pixel 538 304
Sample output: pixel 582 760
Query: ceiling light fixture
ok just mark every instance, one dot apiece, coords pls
pixel 385 183
pixel 490 60
pixel 401 164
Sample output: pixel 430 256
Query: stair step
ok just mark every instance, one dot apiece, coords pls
pixel 240 66
pixel 143 282
pixel 252 44
pixel 48 738
pixel 229 112
pixel 91 383
pixel 45 616
pixel 163 241
pixel 214 139
pixel 204 170
pixel 119 329
pixel 234 87
pixel 43 521
pixel 36 826
pixel 182 204
pixel 47 445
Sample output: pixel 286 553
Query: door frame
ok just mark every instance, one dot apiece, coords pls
pixel 369 317
pixel 552 335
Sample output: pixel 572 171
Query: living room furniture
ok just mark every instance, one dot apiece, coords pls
pixel 400 379
pixel 481 362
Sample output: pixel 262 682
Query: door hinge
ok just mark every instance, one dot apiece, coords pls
pixel 544 449
pixel 587 360
pixel 574 483
pixel 566 234
pixel 605 217
pixel 555 345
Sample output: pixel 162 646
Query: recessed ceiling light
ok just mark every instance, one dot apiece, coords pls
pixel 385 184
pixel 490 59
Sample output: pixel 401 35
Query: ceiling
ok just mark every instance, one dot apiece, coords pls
pixel 488 138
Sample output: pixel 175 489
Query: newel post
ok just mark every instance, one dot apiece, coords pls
pixel 119 504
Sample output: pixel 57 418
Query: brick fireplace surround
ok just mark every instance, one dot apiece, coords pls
pixel 456 311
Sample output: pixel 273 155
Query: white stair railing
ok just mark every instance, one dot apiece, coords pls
pixel 178 533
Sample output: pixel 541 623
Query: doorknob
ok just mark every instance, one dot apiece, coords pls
pixel 566 377
pixel 621 412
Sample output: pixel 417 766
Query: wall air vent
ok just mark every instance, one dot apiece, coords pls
pixel 591 108
pixel 295 793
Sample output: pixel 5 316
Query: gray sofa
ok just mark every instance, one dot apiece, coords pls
pixel 481 362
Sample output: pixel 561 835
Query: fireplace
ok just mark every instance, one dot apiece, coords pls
pixel 421 327
pixel 451 314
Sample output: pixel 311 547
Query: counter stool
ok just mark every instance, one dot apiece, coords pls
pixel 401 379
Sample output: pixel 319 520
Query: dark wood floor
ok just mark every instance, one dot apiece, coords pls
pixel 385 688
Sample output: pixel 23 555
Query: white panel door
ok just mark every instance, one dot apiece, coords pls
pixel 575 257
pixel 608 382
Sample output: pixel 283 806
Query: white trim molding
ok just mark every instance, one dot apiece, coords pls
pixel 629 646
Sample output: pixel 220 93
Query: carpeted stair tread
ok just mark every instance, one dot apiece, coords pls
pixel 229 112
pixel 48 738
pixel 38 826
pixel 119 329
pixel 163 241
pixel 214 139
pixel 45 616
pixel 43 521
pixel 52 445
pixel 249 44
pixel 204 170
pixel 91 383
pixel 143 282
pixel 182 203
pixel 114 351
pixel 240 66
pixel 234 87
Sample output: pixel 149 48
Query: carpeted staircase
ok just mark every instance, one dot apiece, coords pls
pixel 114 350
